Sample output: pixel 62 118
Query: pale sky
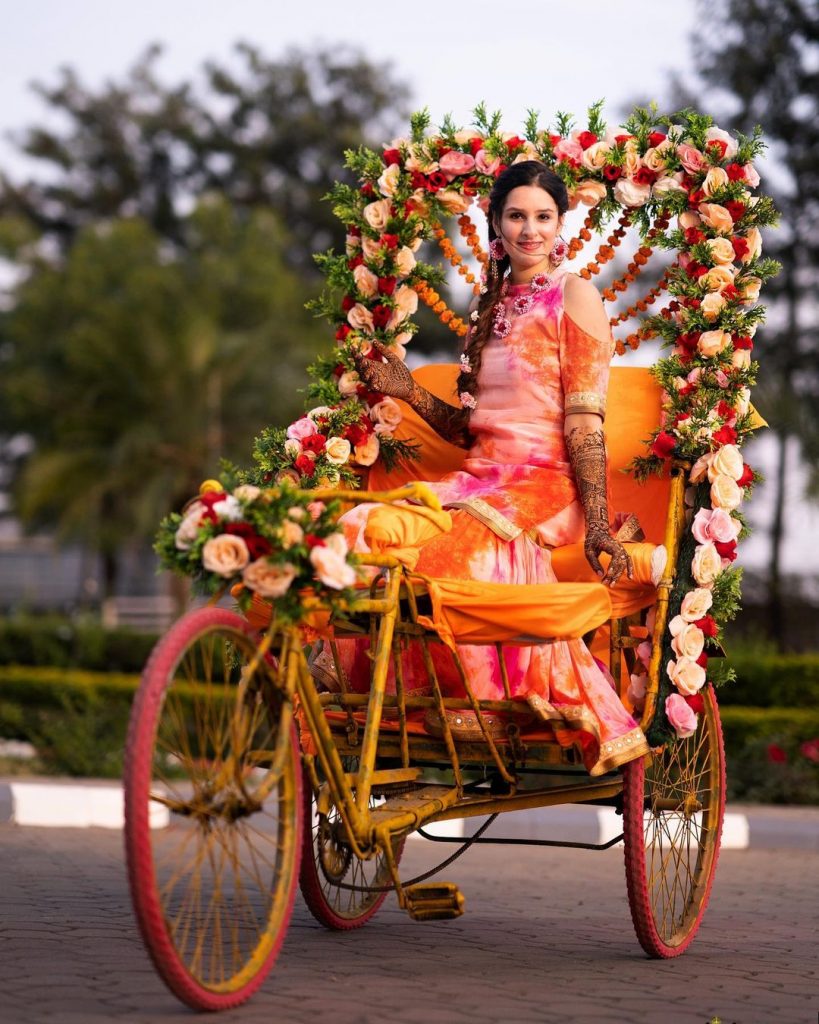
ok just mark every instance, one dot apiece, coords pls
pixel 514 55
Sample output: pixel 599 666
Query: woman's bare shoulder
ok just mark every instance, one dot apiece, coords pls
pixel 584 305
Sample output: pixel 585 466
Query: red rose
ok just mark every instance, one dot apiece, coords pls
pixel 586 139
pixel 257 546
pixel 381 315
pixel 729 292
pixel 702 660
pixel 747 476
pixel 681 417
pixel 776 755
pixel 475 144
pixel 355 434
pixel 374 397
pixel 664 444
pixel 655 138
pixel 741 247
pixel 386 285
pixel 693 303
pixel 622 138
pixel 367 189
pixel 354 230
pixel 693 236
pixel 343 331
pixel 470 185
pixel 347 303
pixel 515 142
pixel 443 149
pixel 418 180
pixel 717 147
pixel 735 208
pixel 210 498
pixel 645 176
pixel 339 369
pixel 437 181
pixel 554 139
pixel 696 270
pixel 696 197
pixel 810 750
pixel 726 549
pixel 744 342
pixel 312 540
pixel 725 435
pixel 724 410
pixel 391 241
pixel 314 443
pixel 392 156
pixel 695 701
pixel 708 625
pixel 612 173
pixel 735 172
pixel 305 465
pixel 355 261
pixel 500 169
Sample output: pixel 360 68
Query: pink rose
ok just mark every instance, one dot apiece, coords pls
pixel 301 429
pixel 331 568
pixel 315 508
pixel 570 151
pixel 225 555
pixel 268 579
pixel 486 164
pixel 706 564
pixel 686 675
pixel 715 524
pixel 386 414
pixel 454 163
pixel 644 652
pixel 637 690
pixel 681 717
pixel 751 177
pixel 695 604
pixel 691 158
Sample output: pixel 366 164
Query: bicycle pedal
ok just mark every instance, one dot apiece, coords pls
pixel 435 902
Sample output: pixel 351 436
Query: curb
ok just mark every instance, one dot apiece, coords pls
pixel 71 803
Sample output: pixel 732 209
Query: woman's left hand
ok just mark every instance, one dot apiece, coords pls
pixel 598 541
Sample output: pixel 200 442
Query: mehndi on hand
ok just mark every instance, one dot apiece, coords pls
pixel 388 374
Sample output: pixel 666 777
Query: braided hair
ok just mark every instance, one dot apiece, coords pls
pixel 527 172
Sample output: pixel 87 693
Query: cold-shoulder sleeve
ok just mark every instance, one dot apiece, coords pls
pixel 584 368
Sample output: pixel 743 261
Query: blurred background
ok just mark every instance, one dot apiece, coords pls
pixel 162 168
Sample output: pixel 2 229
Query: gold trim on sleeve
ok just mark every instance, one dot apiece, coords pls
pixel 585 401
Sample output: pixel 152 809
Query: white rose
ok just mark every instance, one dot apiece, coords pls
pixel 292 448
pixel 727 460
pixel 386 413
pixel 366 281
pixel 629 193
pixel 331 568
pixel 268 579
pixel 377 214
pixel 666 185
pixel 225 555
pixel 337 450
pixel 228 508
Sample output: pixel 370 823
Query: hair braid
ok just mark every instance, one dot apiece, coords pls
pixel 482 330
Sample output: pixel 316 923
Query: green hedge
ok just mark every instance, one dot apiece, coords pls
pixel 56 642
pixel 768 680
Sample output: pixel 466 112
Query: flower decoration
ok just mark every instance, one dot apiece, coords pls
pixel 276 543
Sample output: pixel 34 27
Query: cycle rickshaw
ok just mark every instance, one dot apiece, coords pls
pixel 259 807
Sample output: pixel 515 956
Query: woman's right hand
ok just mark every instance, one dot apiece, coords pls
pixel 388 374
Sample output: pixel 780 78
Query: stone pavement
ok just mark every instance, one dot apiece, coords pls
pixel 546 937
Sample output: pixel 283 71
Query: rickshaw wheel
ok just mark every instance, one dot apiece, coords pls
pixel 673 807
pixel 212 743
pixel 338 887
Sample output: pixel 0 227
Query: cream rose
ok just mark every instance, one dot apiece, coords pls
pixel 721 249
pixel 337 450
pixel 654 160
pixel 725 493
pixel 689 642
pixel 668 184
pixel 188 529
pixel 453 202
pixel 365 280
pixel 246 492
pixel 406 303
pixel 331 568
pixel 365 454
pixel 387 414
pixel 681 717
pixel 741 359
pixel 727 460
pixel 589 193
pixel 348 383
pixel 686 675
pixel 596 156
pixel 418 161
pixel 718 278
pixel 629 193
pixel 377 214
pixel 696 604
pixel 711 343
pixel 268 579
pixel 631 162
pixel 706 564
pixel 750 288
pixel 360 318
pixel 754 239
pixel 291 533
pixel 405 261
pixel 371 248
pixel 225 555
pixel 716 217
pixel 388 182
pixel 710 308
pixel 715 179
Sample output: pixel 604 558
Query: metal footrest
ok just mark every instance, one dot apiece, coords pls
pixel 435 902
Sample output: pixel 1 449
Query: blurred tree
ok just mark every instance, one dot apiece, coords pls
pixel 135 373
pixel 760 62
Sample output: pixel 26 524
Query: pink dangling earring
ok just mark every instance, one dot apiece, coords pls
pixel 558 253
pixel 496 249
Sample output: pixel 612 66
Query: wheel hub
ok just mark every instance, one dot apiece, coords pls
pixel 335 855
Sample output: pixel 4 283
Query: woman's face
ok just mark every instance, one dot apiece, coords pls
pixel 528 227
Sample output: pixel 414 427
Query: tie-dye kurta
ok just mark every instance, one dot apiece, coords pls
pixel 513 499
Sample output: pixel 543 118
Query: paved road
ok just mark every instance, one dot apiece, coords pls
pixel 546 938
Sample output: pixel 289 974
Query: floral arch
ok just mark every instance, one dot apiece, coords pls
pixel 686 186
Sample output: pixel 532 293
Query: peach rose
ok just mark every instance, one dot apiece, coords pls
pixel 365 454
pixel 403 338
pixel 405 261
pixel 706 564
pixel 696 604
pixel 288 476
pixel 596 156
pixel 291 533
pixel 225 555
pixel 454 163
pixel 371 248
pixel 754 239
pixel 749 288
pixel 715 179
pixel 377 214
pixel 589 193
pixel 721 249
pixel 665 186
pixel 710 308
pixel 691 158
pixel 715 134
pixel 453 202
pixel 654 160
pixel 365 280
pixel 406 303
pixel 337 450
pixel 686 675
pixel 331 568
pixel 689 641
pixel 466 135
pixel 246 492
pixel 360 318
pixel 726 493
pixel 727 460
pixel 689 219
pixel 388 182
pixel 681 716
pixel 715 524
pixel 716 217
pixel 188 529
pixel 297 513
pixel 700 468
pixel 631 160
pixel 419 161
pixel 718 278
pixel 268 579
pixel 629 193
pixel 741 359
pixel 386 413
pixel 348 383
pixel 711 343
pixel 352 243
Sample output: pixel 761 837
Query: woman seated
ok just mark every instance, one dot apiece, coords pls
pixel 532 392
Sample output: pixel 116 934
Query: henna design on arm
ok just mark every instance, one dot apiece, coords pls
pixel 587 454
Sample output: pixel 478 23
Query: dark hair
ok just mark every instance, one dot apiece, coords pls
pixel 527 172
